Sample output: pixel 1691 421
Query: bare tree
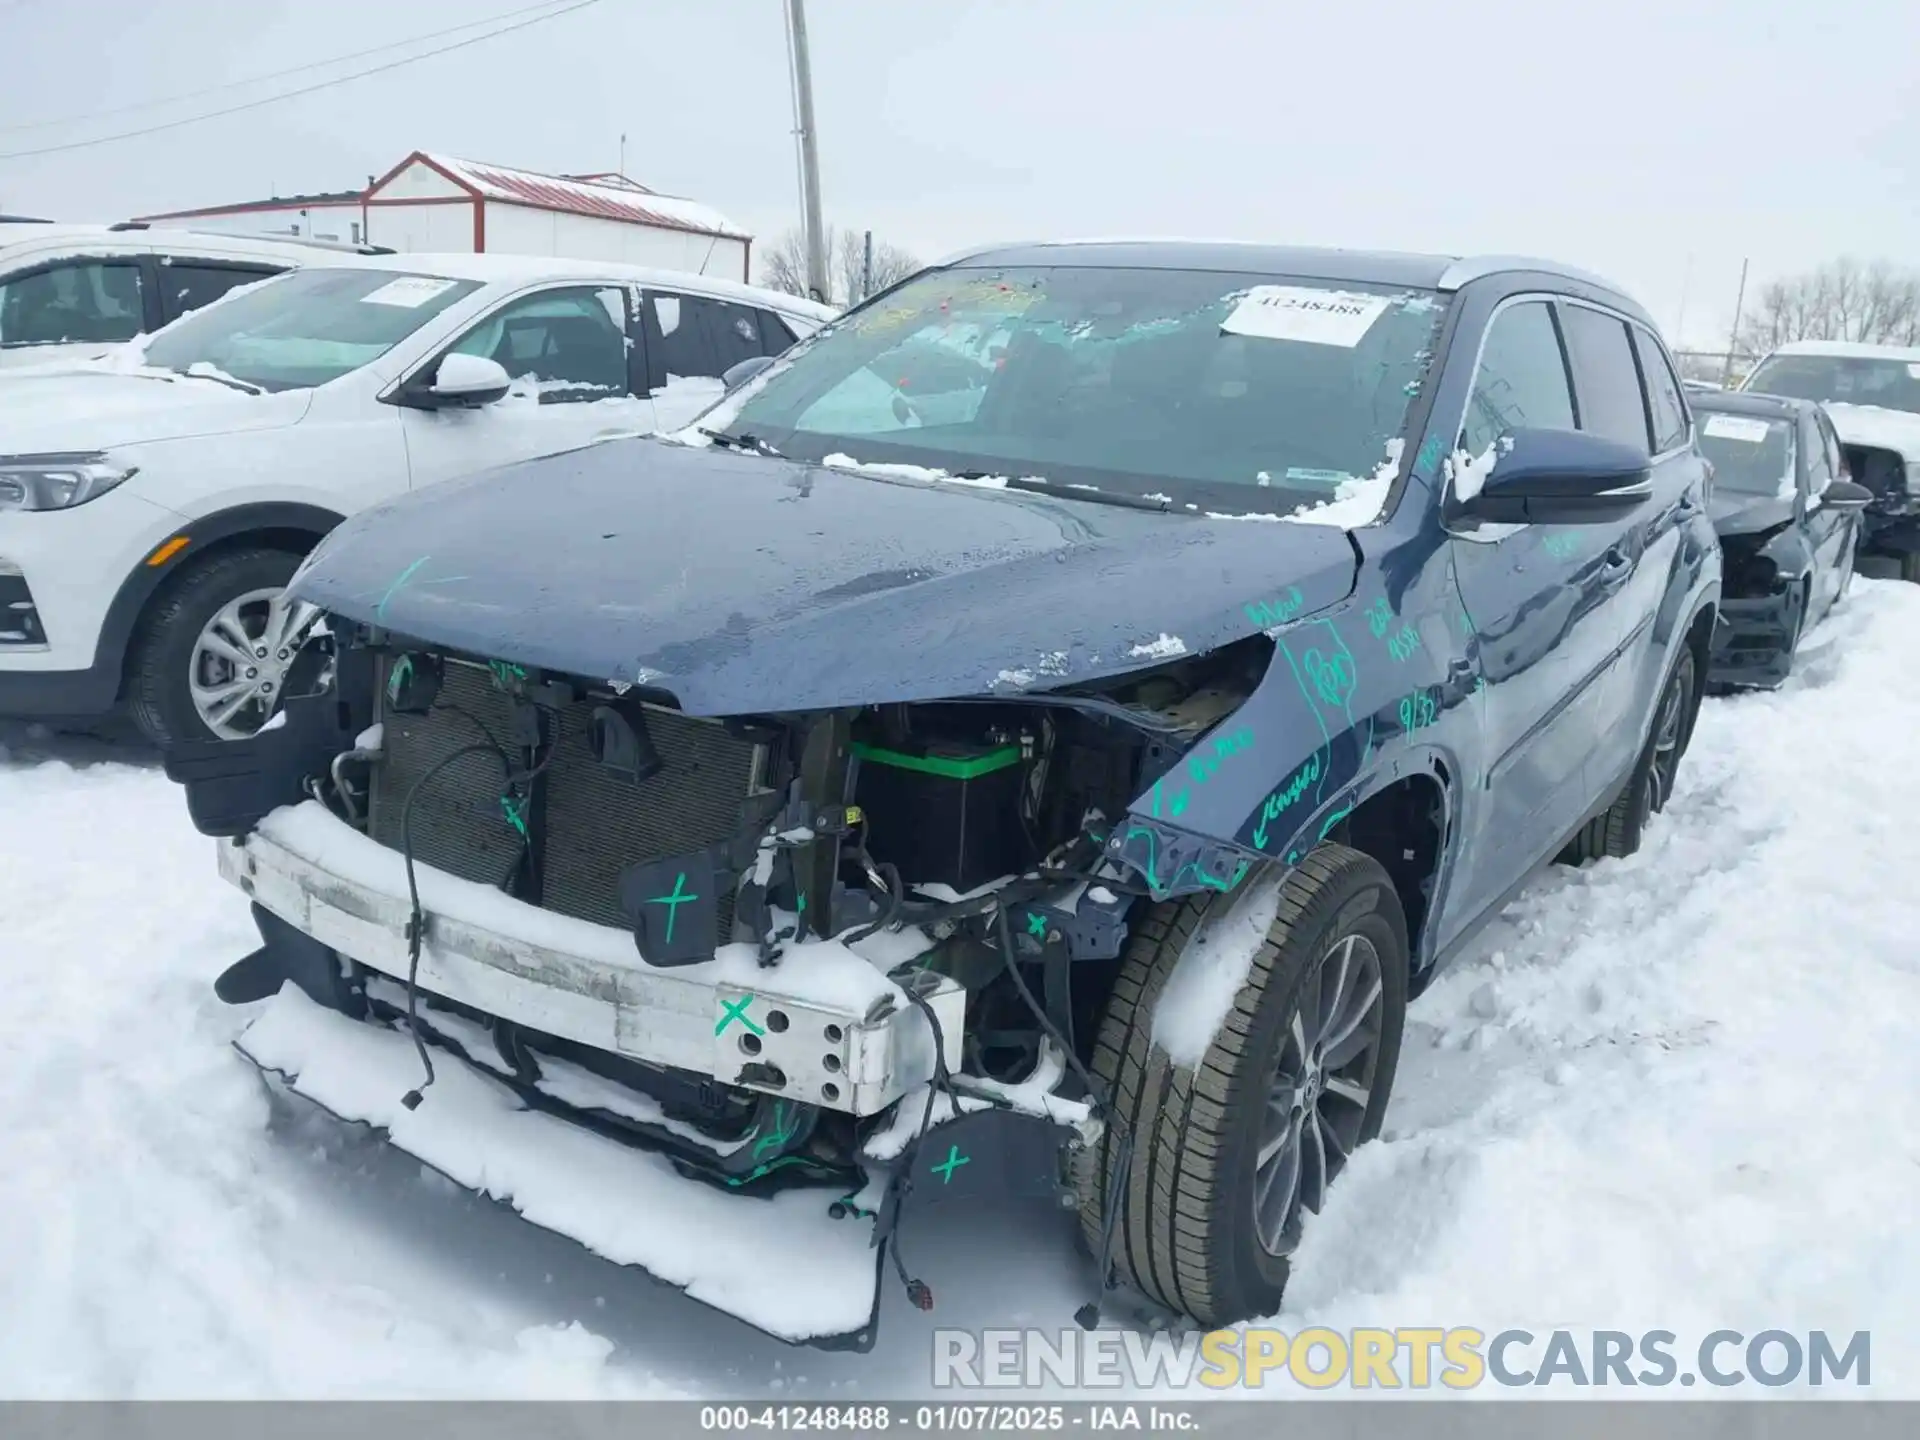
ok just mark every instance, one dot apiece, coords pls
pixel 783 265
pixel 891 265
pixel 1877 304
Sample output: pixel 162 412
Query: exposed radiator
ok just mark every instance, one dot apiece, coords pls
pixel 596 823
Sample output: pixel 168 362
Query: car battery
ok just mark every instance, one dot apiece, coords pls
pixel 943 813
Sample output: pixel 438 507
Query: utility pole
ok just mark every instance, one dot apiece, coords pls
pixel 1733 339
pixel 814 233
pixel 623 157
pixel 866 268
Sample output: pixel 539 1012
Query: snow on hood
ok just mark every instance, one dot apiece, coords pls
pixel 101 407
pixel 1896 430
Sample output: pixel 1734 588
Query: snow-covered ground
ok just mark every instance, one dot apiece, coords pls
pixel 1678 1091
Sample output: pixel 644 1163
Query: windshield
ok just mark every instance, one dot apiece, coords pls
pixel 1751 454
pixel 305 328
pixel 1224 391
pixel 1848 380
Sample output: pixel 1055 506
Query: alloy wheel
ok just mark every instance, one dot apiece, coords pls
pixel 240 660
pixel 1669 733
pixel 1323 1080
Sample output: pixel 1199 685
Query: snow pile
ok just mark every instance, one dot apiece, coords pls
pixel 1356 502
pixel 1469 472
pixel 1200 992
pixel 1166 647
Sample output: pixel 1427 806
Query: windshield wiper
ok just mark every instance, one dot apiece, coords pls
pixel 1077 492
pixel 752 444
pixel 227 380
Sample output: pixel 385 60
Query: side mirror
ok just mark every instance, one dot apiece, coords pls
pixel 1560 477
pixel 1845 495
pixel 737 375
pixel 469 380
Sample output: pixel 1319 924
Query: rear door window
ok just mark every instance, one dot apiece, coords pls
pixel 735 330
pixel 775 334
pixel 85 302
pixel 186 285
pixel 679 342
pixel 1522 380
pixel 1819 459
pixel 1606 377
pixel 1664 402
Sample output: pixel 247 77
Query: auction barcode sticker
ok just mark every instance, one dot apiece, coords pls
pixel 408 292
pixel 1316 317
pixel 1736 427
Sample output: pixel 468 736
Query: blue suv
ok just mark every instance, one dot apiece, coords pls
pixel 1032 738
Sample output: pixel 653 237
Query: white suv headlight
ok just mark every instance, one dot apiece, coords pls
pixel 58 482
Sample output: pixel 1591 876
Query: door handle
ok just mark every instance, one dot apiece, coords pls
pixel 1618 564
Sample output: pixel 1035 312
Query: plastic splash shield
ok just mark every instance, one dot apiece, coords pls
pixel 781 1262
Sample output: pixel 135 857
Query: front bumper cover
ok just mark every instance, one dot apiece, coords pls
pixel 1753 641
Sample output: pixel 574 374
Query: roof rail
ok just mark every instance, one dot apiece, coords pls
pixel 131 225
pixel 1475 267
pixel 24 220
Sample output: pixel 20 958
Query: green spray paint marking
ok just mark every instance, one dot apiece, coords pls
pixel 673 900
pixel 1269 613
pixel 782 1131
pixel 1333 820
pixel 1417 711
pixel 505 673
pixel 400 580
pixel 737 1010
pixel 1202 768
pixel 1379 617
pixel 1285 799
pixel 1430 452
pixel 953 1162
pixel 1036 923
pixel 1402 643
pixel 1562 546
pixel 514 806
pixel 398 677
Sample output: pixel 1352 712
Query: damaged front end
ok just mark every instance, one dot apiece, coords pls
pixel 622 967
pixel 1763 605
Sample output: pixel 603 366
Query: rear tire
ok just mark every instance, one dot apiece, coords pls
pixel 171 658
pixel 1189 1231
pixel 1618 829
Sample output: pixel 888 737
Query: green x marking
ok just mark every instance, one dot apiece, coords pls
pixel 1036 923
pixel 673 902
pixel 952 1163
pixel 737 1010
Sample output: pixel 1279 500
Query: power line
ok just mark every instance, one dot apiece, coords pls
pixel 165 100
pixel 293 94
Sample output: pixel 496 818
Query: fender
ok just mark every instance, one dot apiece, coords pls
pixel 1333 721
pixel 285 518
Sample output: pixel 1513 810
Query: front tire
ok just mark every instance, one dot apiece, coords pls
pixel 1226 1158
pixel 197 671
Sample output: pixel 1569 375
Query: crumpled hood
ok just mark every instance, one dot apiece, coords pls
pixel 1734 513
pixel 741 584
pixel 96 409
pixel 1895 430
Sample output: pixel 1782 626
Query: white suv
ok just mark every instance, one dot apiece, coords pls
pixel 70 292
pixel 154 506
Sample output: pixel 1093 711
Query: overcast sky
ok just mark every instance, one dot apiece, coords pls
pixel 1659 144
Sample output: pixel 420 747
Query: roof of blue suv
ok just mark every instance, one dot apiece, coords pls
pixel 1365 267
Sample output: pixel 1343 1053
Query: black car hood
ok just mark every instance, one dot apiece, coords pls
pixel 1735 513
pixel 740 584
